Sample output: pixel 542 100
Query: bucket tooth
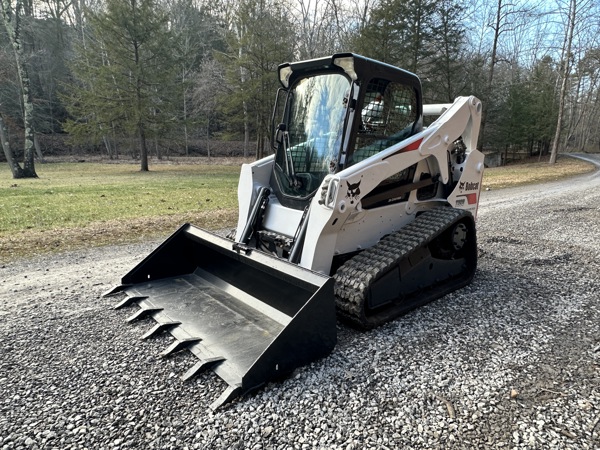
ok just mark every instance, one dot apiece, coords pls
pixel 130 300
pixel 116 289
pixel 230 393
pixel 144 312
pixel 179 345
pixel 200 366
pixel 159 328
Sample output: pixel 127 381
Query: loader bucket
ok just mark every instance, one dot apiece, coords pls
pixel 248 316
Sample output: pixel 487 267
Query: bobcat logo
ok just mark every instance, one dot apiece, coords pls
pixel 353 192
pixel 468 186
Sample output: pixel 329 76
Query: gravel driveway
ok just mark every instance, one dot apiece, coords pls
pixel 511 361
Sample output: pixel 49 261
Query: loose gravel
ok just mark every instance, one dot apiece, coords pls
pixel 511 361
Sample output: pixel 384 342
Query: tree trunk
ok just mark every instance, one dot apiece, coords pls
pixel 490 79
pixel 28 156
pixel 143 149
pixel 186 137
pixel 259 146
pixel 246 130
pixel 138 112
pixel 15 168
pixel 38 148
pixel 107 146
pixel 565 80
pixel 11 20
pixel 185 115
pixel 244 104
pixel 208 137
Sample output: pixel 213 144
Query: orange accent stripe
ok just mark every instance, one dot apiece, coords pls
pixel 414 146
pixel 410 147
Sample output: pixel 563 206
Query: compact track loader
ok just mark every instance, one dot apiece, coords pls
pixel 360 210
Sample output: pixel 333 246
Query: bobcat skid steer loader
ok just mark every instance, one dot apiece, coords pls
pixel 361 210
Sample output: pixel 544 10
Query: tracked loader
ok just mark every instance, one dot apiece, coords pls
pixel 361 213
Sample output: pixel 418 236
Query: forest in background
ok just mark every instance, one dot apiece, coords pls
pixel 140 78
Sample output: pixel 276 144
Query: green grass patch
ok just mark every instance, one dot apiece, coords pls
pixel 76 194
pixel 75 205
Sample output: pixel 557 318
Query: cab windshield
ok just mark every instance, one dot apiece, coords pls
pixel 313 131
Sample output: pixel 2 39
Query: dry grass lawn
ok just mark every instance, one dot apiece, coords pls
pixel 77 205
pixel 533 171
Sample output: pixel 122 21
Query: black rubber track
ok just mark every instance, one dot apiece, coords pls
pixel 355 278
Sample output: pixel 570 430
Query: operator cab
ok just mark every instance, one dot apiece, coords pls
pixel 334 112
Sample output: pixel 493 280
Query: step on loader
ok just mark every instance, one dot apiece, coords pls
pixel 361 213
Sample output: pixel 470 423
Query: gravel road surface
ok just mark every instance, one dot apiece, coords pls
pixel 511 361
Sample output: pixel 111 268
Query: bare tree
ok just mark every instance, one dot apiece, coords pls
pixel 12 19
pixel 506 17
pixel 580 43
pixel 208 91
pixel 583 128
pixel 566 68
pixel 196 34
pixel 316 25
pixel 260 37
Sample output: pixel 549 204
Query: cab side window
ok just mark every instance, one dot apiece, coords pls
pixel 388 116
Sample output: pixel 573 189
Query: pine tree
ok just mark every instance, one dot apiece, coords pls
pixel 401 32
pixel 124 74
